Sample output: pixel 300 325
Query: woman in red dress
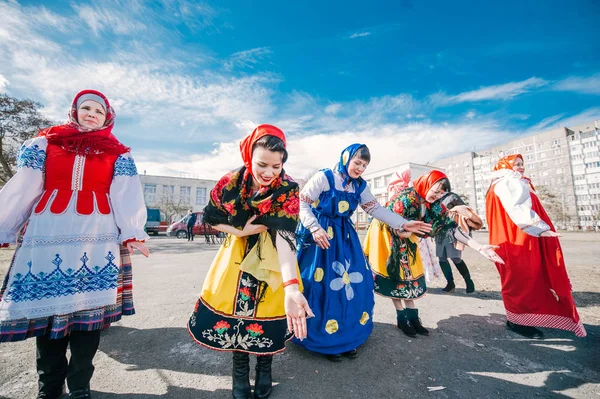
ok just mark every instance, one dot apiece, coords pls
pixel 535 286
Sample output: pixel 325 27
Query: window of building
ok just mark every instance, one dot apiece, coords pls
pixel 200 195
pixel 185 193
pixel 150 193
pixel 528 148
pixel 168 192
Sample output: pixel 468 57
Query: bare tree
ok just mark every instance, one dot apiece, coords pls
pixel 553 200
pixel 19 120
pixel 172 206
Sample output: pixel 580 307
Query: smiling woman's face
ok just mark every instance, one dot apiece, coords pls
pixel 91 114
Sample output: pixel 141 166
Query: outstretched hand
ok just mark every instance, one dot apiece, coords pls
pixel 414 226
pixel 550 233
pixel 296 311
pixel 488 252
pixel 139 246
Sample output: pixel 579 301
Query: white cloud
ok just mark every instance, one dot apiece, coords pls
pixel 156 93
pixel 3 83
pixel 470 115
pixel 247 58
pixel 504 91
pixel 390 145
pixel 333 108
pixel 585 85
pixel 359 34
pixel 111 19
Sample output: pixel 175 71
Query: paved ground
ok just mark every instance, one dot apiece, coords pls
pixel 469 353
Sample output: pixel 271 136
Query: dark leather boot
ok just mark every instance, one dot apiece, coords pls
pixel 263 385
pixel 413 318
pixel 404 324
pixel 462 268
pixel 447 270
pixel 81 394
pixel 241 376
pixel 526 331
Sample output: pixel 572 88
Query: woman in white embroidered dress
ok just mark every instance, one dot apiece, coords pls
pixel 78 192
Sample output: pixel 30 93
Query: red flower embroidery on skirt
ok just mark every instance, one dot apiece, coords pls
pixel 255 330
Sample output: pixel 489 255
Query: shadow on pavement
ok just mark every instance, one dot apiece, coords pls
pixel 172 392
pixel 582 299
pixel 470 356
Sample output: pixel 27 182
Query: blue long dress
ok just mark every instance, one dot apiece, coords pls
pixel 338 283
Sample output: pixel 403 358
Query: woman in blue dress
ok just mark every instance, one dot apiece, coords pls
pixel 338 282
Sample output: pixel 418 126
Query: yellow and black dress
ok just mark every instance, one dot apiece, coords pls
pixel 396 262
pixel 241 306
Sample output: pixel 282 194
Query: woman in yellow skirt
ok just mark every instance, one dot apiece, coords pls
pixel 251 301
pixel 395 257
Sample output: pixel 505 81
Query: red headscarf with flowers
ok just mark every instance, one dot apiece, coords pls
pixel 424 183
pixel 233 202
pixel 507 162
pixel 74 137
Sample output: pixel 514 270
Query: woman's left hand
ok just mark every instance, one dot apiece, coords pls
pixel 296 311
pixel 139 246
pixel 488 252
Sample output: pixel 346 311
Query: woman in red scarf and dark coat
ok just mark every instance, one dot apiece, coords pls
pixel 78 190
pixel 535 286
pixel 251 301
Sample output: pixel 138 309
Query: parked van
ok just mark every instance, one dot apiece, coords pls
pixel 152 221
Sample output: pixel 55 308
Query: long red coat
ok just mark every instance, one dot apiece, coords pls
pixel 535 286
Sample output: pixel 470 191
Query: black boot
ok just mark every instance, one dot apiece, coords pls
pixel 526 331
pixel 241 376
pixel 464 271
pixel 404 324
pixel 51 366
pixel 447 270
pixel 413 318
pixel 263 385
pixel 81 394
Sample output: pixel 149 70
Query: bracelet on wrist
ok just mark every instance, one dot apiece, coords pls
pixel 291 282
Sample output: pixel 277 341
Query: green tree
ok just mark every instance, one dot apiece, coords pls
pixel 19 120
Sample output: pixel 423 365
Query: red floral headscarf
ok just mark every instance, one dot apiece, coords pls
pixel 507 162
pixel 233 202
pixel 76 138
pixel 424 183
pixel 248 142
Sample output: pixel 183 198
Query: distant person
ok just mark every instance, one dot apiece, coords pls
pixel 78 190
pixel 536 290
pixel 448 247
pixel 190 222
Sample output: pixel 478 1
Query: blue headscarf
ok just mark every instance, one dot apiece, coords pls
pixel 342 166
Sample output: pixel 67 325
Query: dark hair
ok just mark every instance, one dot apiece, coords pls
pixel 271 143
pixel 363 153
pixel 445 184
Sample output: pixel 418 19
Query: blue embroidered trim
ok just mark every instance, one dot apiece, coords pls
pixel 35 241
pixel 125 167
pixel 31 157
pixel 31 287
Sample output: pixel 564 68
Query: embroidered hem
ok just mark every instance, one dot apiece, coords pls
pixel 410 289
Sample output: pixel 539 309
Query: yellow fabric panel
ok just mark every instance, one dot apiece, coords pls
pixel 222 281
pixel 377 247
pixel 266 267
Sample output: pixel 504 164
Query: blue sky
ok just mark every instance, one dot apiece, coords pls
pixel 414 80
